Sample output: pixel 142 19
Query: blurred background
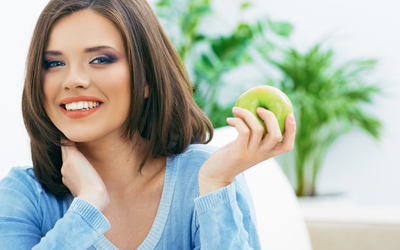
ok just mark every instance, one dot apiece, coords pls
pixel 338 61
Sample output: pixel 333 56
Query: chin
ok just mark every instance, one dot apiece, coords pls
pixel 79 137
pixel 83 134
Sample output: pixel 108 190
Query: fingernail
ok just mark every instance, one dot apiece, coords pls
pixel 236 109
pixel 259 109
pixel 291 118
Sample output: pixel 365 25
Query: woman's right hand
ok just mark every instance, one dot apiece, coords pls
pixel 81 178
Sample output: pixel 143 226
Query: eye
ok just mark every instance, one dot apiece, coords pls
pixel 102 60
pixel 52 64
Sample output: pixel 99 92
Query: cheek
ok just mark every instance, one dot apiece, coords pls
pixel 50 93
pixel 115 82
pixel 115 85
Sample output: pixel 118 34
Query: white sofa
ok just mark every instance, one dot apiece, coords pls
pixel 280 223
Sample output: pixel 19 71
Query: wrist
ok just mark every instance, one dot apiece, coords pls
pixel 98 199
pixel 207 185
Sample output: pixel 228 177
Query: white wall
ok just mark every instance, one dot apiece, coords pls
pixel 368 170
pixel 356 29
pixel 17 22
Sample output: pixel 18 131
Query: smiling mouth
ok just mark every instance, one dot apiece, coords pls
pixel 80 106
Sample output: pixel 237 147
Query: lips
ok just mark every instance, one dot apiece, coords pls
pixel 76 114
pixel 80 99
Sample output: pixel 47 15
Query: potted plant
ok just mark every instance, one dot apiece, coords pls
pixel 328 101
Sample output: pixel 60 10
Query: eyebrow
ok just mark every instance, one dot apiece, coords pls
pixel 87 50
pixel 53 53
pixel 98 48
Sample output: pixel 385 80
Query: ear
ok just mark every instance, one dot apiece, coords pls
pixel 146 91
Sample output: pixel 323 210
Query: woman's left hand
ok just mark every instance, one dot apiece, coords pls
pixel 248 149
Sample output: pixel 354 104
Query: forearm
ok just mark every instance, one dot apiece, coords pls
pixel 222 223
pixel 80 228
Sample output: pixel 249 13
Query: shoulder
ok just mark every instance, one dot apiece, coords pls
pixel 20 195
pixel 190 161
pixel 22 180
pixel 194 156
pixel 198 151
pixel 21 191
pixel 186 166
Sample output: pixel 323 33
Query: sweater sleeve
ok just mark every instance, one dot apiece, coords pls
pixel 226 218
pixel 21 218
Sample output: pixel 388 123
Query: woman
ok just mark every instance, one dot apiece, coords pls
pixel 117 142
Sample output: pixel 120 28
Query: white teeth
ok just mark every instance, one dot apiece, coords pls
pixel 84 105
pixel 80 105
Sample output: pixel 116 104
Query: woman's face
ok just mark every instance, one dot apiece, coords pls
pixel 86 77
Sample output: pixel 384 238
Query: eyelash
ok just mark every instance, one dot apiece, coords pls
pixel 108 60
pixel 104 60
pixel 48 64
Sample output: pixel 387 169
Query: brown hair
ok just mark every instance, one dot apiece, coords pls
pixel 169 118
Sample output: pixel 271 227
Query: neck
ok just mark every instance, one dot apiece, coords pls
pixel 117 162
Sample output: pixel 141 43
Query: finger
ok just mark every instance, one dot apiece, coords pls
pixel 64 153
pixel 63 140
pixel 290 133
pixel 274 134
pixel 243 130
pixel 287 143
pixel 67 142
pixel 65 147
pixel 256 129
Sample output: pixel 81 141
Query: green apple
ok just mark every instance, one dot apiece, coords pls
pixel 267 97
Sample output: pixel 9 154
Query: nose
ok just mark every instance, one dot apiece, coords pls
pixel 76 79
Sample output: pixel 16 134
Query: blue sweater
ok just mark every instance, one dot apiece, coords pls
pixel 224 219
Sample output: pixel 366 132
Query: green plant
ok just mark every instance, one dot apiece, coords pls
pixel 208 58
pixel 328 101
